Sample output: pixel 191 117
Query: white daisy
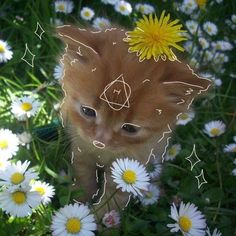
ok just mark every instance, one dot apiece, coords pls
pixel 123 8
pixel 144 8
pixel 111 219
pixel 188 219
pixel 58 72
pixel 214 233
pixel 112 2
pixel 194 63
pixel 192 26
pixel 230 148
pixel 189 46
pixel 220 58
pixel 234 138
pixel 73 220
pixel 150 196
pixel 234 172
pixel 172 152
pixel 188 6
pixel 86 13
pixel 222 45
pixel 19 202
pixel 130 176
pixel 203 42
pixel 24 138
pixel 214 128
pixel 5 51
pixel 154 168
pixel 208 56
pixel 217 82
pixel 45 190
pixel 64 6
pixel 25 106
pixel 3 163
pixel 210 28
pixel 16 174
pixel 233 18
pixel 8 143
pixel 185 117
pixel 101 23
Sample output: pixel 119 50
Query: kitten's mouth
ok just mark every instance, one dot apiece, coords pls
pixel 98 144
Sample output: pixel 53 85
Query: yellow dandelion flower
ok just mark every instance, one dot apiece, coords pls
pixel 155 38
pixel 201 3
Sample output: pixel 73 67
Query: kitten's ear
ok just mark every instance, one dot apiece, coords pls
pixel 80 43
pixel 182 85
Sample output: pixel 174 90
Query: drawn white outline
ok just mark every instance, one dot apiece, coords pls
pixel 151 154
pixel 198 179
pixel 39 27
pixel 156 59
pixel 189 157
pixel 159 111
pixel 146 80
pixel 28 51
pixel 126 104
pixel 96 142
pixel 165 132
pixel 104 189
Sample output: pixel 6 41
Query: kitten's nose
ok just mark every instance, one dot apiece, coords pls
pixel 98 144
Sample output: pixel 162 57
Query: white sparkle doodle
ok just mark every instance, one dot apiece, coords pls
pixel 193 158
pixel 28 53
pixel 39 31
pixel 126 90
pixel 114 43
pixel 188 91
pixel 201 179
pixel 94 69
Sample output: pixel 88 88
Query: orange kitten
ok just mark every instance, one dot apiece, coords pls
pixel 116 106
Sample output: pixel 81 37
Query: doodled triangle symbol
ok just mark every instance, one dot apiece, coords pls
pixel 125 88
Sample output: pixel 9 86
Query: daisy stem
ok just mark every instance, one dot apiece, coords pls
pixel 220 181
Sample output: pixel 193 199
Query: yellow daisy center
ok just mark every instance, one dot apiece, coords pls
pixel 201 3
pixel 26 106
pixel 73 225
pixel 87 14
pixel 142 9
pixel 184 116
pixel 149 195
pixel 40 190
pixel 102 25
pixel 3 144
pixel 209 29
pixel 19 197
pixel 129 176
pixel 185 223
pixel 17 178
pixel 122 8
pixel 172 151
pixel 2 48
pixel 61 7
pixel 215 131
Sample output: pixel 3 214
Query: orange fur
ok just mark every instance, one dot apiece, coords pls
pixel 102 58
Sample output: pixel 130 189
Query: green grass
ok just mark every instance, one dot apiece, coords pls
pixel 49 149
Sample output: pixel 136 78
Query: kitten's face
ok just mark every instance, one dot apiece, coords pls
pixel 116 102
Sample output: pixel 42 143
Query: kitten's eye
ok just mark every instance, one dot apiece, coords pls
pixel 88 111
pixel 130 128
